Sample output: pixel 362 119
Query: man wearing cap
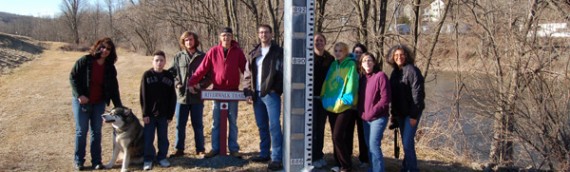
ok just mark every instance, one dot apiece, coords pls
pixel 225 62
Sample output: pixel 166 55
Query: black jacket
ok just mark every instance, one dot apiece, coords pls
pixel 157 94
pixel 408 94
pixel 272 76
pixel 321 67
pixel 80 77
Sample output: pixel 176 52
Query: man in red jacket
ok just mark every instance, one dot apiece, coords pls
pixel 226 61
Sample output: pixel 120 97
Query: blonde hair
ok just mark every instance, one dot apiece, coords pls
pixel 343 46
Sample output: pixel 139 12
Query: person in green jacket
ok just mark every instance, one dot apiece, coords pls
pixel 339 96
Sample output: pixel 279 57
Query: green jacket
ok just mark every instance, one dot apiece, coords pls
pixel 340 90
pixel 183 66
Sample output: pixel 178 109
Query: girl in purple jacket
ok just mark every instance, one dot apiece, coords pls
pixel 374 100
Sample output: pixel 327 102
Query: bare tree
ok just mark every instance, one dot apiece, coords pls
pixel 320 11
pixel 110 10
pixel 138 25
pixel 379 26
pixel 525 95
pixel 435 37
pixel 275 22
pixel 362 10
pixel 71 11
pixel 416 24
pixel 230 7
pixel 252 6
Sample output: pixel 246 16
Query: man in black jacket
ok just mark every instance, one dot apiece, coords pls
pixel 263 86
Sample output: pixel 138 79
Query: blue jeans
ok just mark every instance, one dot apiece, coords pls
pixel 196 114
pixel 232 118
pixel 87 116
pixel 160 124
pixel 373 133
pixel 408 133
pixel 267 111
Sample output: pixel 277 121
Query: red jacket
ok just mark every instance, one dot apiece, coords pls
pixel 225 71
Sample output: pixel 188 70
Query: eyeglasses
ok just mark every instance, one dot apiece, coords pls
pixel 105 48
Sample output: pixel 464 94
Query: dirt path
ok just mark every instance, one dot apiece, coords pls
pixel 35 119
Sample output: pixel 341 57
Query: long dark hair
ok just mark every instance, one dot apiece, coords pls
pixel 361 46
pixel 410 57
pixel 376 67
pixel 104 43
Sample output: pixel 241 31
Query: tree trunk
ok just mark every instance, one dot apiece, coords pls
pixel 379 19
pixel 227 7
pixel 70 9
pixel 273 19
pixel 416 25
pixel 110 6
pixel 234 20
pixel 363 7
pixel 320 15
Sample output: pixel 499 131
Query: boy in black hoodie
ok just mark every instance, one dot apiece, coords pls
pixel 158 101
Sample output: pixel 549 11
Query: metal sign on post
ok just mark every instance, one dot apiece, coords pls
pixel 298 85
pixel 224 97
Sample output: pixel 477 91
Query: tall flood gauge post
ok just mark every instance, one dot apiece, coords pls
pixel 298 84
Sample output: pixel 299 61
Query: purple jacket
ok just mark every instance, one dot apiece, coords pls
pixel 374 96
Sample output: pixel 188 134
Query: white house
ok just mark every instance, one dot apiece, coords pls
pixel 434 12
pixel 552 30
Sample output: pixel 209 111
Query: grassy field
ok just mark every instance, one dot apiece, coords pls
pixel 37 127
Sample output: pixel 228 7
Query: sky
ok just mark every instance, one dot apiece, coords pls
pixel 37 8
pixel 31 7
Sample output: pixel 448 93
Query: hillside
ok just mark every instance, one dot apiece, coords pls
pixel 9 17
pixel 15 50
pixel 37 128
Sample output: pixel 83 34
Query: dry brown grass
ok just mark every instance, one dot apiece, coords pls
pixel 37 126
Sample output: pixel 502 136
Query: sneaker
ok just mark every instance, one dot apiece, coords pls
pixel 274 166
pixel 210 154
pixel 147 166
pixel 98 166
pixel 164 163
pixel 79 167
pixel 200 153
pixel 235 154
pixel 335 169
pixel 260 159
pixel 320 163
pixel 177 153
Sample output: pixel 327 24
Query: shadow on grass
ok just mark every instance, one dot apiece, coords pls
pixel 228 163
pixel 218 163
pixel 391 164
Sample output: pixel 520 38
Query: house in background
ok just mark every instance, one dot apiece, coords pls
pixel 434 12
pixel 557 30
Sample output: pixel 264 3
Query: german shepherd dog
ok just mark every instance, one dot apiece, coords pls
pixel 128 137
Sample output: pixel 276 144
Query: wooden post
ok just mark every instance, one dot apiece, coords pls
pixel 225 97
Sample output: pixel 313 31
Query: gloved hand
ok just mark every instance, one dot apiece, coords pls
pixel 393 123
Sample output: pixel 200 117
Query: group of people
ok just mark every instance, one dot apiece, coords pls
pixel 350 91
